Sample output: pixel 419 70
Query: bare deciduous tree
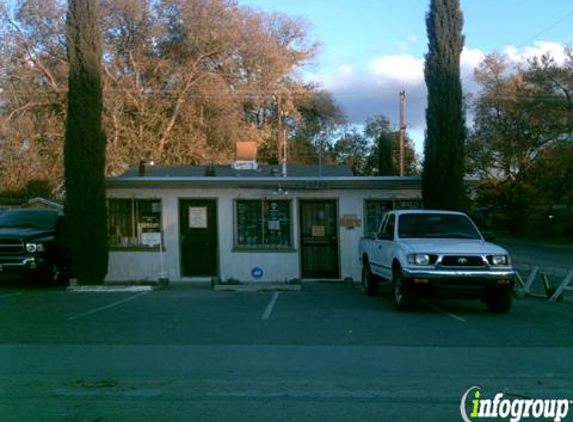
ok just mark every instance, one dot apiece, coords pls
pixel 182 81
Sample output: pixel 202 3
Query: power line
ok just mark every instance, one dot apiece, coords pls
pixel 534 37
pixel 550 27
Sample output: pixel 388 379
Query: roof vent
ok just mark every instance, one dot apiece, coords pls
pixel 210 170
pixel 245 156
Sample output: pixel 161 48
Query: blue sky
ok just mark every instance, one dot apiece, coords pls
pixel 373 48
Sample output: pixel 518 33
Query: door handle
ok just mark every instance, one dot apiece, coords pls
pixel 379 246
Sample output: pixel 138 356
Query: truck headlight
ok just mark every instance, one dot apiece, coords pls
pixel 499 260
pixel 419 259
pixel 34 247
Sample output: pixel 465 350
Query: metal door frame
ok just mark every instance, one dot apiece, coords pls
pixel 215 202
pixel 336 228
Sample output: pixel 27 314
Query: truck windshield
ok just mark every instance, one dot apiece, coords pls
pixel 44 220
pixel 452 226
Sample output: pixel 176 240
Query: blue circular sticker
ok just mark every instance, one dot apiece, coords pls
pixel 257 272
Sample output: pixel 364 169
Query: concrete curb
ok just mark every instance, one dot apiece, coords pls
pixel 257 287
pixel 109 289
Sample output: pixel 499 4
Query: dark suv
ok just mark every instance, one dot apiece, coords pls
pixel 32 246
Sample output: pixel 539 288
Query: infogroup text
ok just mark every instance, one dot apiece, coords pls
pixel 474 407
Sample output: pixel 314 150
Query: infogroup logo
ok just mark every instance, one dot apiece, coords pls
pixel 474 407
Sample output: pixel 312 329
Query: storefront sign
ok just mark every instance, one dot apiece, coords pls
pixel 350 221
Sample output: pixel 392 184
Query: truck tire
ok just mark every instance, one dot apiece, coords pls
pixel 400 292
pixel 369 281
pixel 498 301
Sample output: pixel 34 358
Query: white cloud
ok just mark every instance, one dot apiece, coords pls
pixel 374 89
pixel 471 58
pixel 363 92
pixel 403 69
pixel 523 54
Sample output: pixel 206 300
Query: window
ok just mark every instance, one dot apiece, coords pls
pixel 263 224
pixel 389 227
pixel 134 223
pixel 375 211
pixel 450 226
pixel 413 204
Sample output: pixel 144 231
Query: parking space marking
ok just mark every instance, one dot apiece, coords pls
pixel 109 306
pixel 443 311
pixel 270 307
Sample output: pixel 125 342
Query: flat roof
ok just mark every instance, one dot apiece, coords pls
pixel 261 171
pixel 299 176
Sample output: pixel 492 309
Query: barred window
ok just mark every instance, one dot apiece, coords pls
pixel 411 204
pixel 263 224
pixel 375 211
pixel 134 223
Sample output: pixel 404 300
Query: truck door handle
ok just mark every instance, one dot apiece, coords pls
pixel 379 246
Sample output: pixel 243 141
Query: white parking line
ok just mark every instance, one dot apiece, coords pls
pixel 437 308
pixel 270 307
pixel 109 306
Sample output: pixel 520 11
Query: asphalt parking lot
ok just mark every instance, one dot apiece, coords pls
pixel 327 352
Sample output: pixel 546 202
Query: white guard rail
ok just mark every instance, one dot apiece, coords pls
pixel 536 273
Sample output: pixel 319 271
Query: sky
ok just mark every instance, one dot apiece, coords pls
pixel 372 49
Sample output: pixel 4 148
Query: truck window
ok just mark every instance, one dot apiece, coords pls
pixel 441 225
pixel 389 227
pixel 380 227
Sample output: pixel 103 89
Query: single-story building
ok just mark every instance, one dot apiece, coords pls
pixel 246 221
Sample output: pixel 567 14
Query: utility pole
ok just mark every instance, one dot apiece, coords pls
pixel 279 124
pixel 281 137
pixel 402 129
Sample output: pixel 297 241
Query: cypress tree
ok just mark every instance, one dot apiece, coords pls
pixel 442 176
pixel 84 147
pixel 384 155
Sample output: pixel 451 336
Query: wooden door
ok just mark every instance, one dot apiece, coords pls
pixel 198 237
pixel 319 239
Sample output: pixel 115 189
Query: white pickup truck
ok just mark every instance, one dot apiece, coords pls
pixel 439 254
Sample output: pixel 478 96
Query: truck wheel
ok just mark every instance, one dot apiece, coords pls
pixel 498 301
pixel 400 292
pixel 369 283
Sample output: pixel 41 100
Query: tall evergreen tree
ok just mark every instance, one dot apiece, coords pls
pixel 442 177
pixel 84 147
pixel 384 152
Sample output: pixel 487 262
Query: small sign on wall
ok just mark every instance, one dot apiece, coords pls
pixel 198 217
pixel 257 272
pixel 350 221
pixel 151 238
pixel 318 231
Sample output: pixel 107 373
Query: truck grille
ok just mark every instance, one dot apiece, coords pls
pixel 462 261
pixel 11 246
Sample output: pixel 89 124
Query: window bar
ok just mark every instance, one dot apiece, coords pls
pixel 133 223
pixel 263 240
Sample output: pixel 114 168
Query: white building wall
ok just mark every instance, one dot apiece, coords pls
pixel 276 266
